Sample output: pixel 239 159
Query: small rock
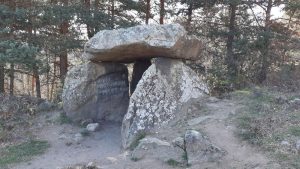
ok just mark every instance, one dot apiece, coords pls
pixel 179 142
pixel 281 100
pixel 285 143
pixel 92 127
pixel 112 160
pixel 298 145
pixel 213 100
pixel 85 122
pixel 62 137
pixel 68 143
pixel 91 165
pixel 78 138
pixel 155 148
pixel 199 149
pixel 295 101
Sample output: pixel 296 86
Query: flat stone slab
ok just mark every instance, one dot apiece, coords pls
pixel 96 91
pixel 143 41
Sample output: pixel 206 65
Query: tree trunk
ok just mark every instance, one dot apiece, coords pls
pixel 112 14
pixel 2 77
pixel 230 59
pixel 262 75
pixel 87 4
pixel 97 3
pixel 148 11
pixel 32 85
pixel 162 11
pixel 37 81
pixel 53 80
pixel 189 14
pixel 64 29
pixel 11 79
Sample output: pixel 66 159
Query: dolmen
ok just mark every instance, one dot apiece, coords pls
pixel 100 90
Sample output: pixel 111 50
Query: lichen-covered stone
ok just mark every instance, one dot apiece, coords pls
pixel 199 149
pixel 97 91
pixel 143 41
pixel 165 86
pixel 151 147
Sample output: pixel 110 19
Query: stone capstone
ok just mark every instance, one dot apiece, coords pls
pixel 97 91
pixel 165 86
pixel 142 42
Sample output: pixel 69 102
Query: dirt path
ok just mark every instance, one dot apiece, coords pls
pixel 220 130
pixel 103 147
pixel 93 148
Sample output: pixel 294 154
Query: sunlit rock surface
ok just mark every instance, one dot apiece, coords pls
pixel 165 86
pixel 143 41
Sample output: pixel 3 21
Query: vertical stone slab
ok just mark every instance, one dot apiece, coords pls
pixel 113 96
pixel 165 86
pixel 97 91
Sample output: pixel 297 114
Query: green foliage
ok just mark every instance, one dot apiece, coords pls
pixel 136 141
pixel 295 130
pixel 135 159
pixel 22 152
pixel 173 163
pixel 63 119
pixel 84 132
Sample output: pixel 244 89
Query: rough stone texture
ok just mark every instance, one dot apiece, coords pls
pixel 298 146
pixel 97 91
pixel 143 41
pixel 151 147
pixel 179 142
pixel 164 88
pixel 200 149
pixel 92 127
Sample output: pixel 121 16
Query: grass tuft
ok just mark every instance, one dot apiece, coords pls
pixel 22 152
pixel 63 119
pixel 173 163
pixel 295 130
pixel 136 141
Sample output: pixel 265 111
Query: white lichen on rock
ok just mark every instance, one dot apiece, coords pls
pixel 144 41
pixel 164 87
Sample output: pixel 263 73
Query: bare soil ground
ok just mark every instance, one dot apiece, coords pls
pixel 103 147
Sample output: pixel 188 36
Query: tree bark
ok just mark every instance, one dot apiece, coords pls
pixel 64 29
pixel 230 58
pixel 2 77
pixel 148 11
pixel 162 11
pixel 189 14
pixel 11 79
pixel 262 75
pixel 97 3
pixel 53 80
pixel 112 14
pixel 87 4
pixel 37 81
